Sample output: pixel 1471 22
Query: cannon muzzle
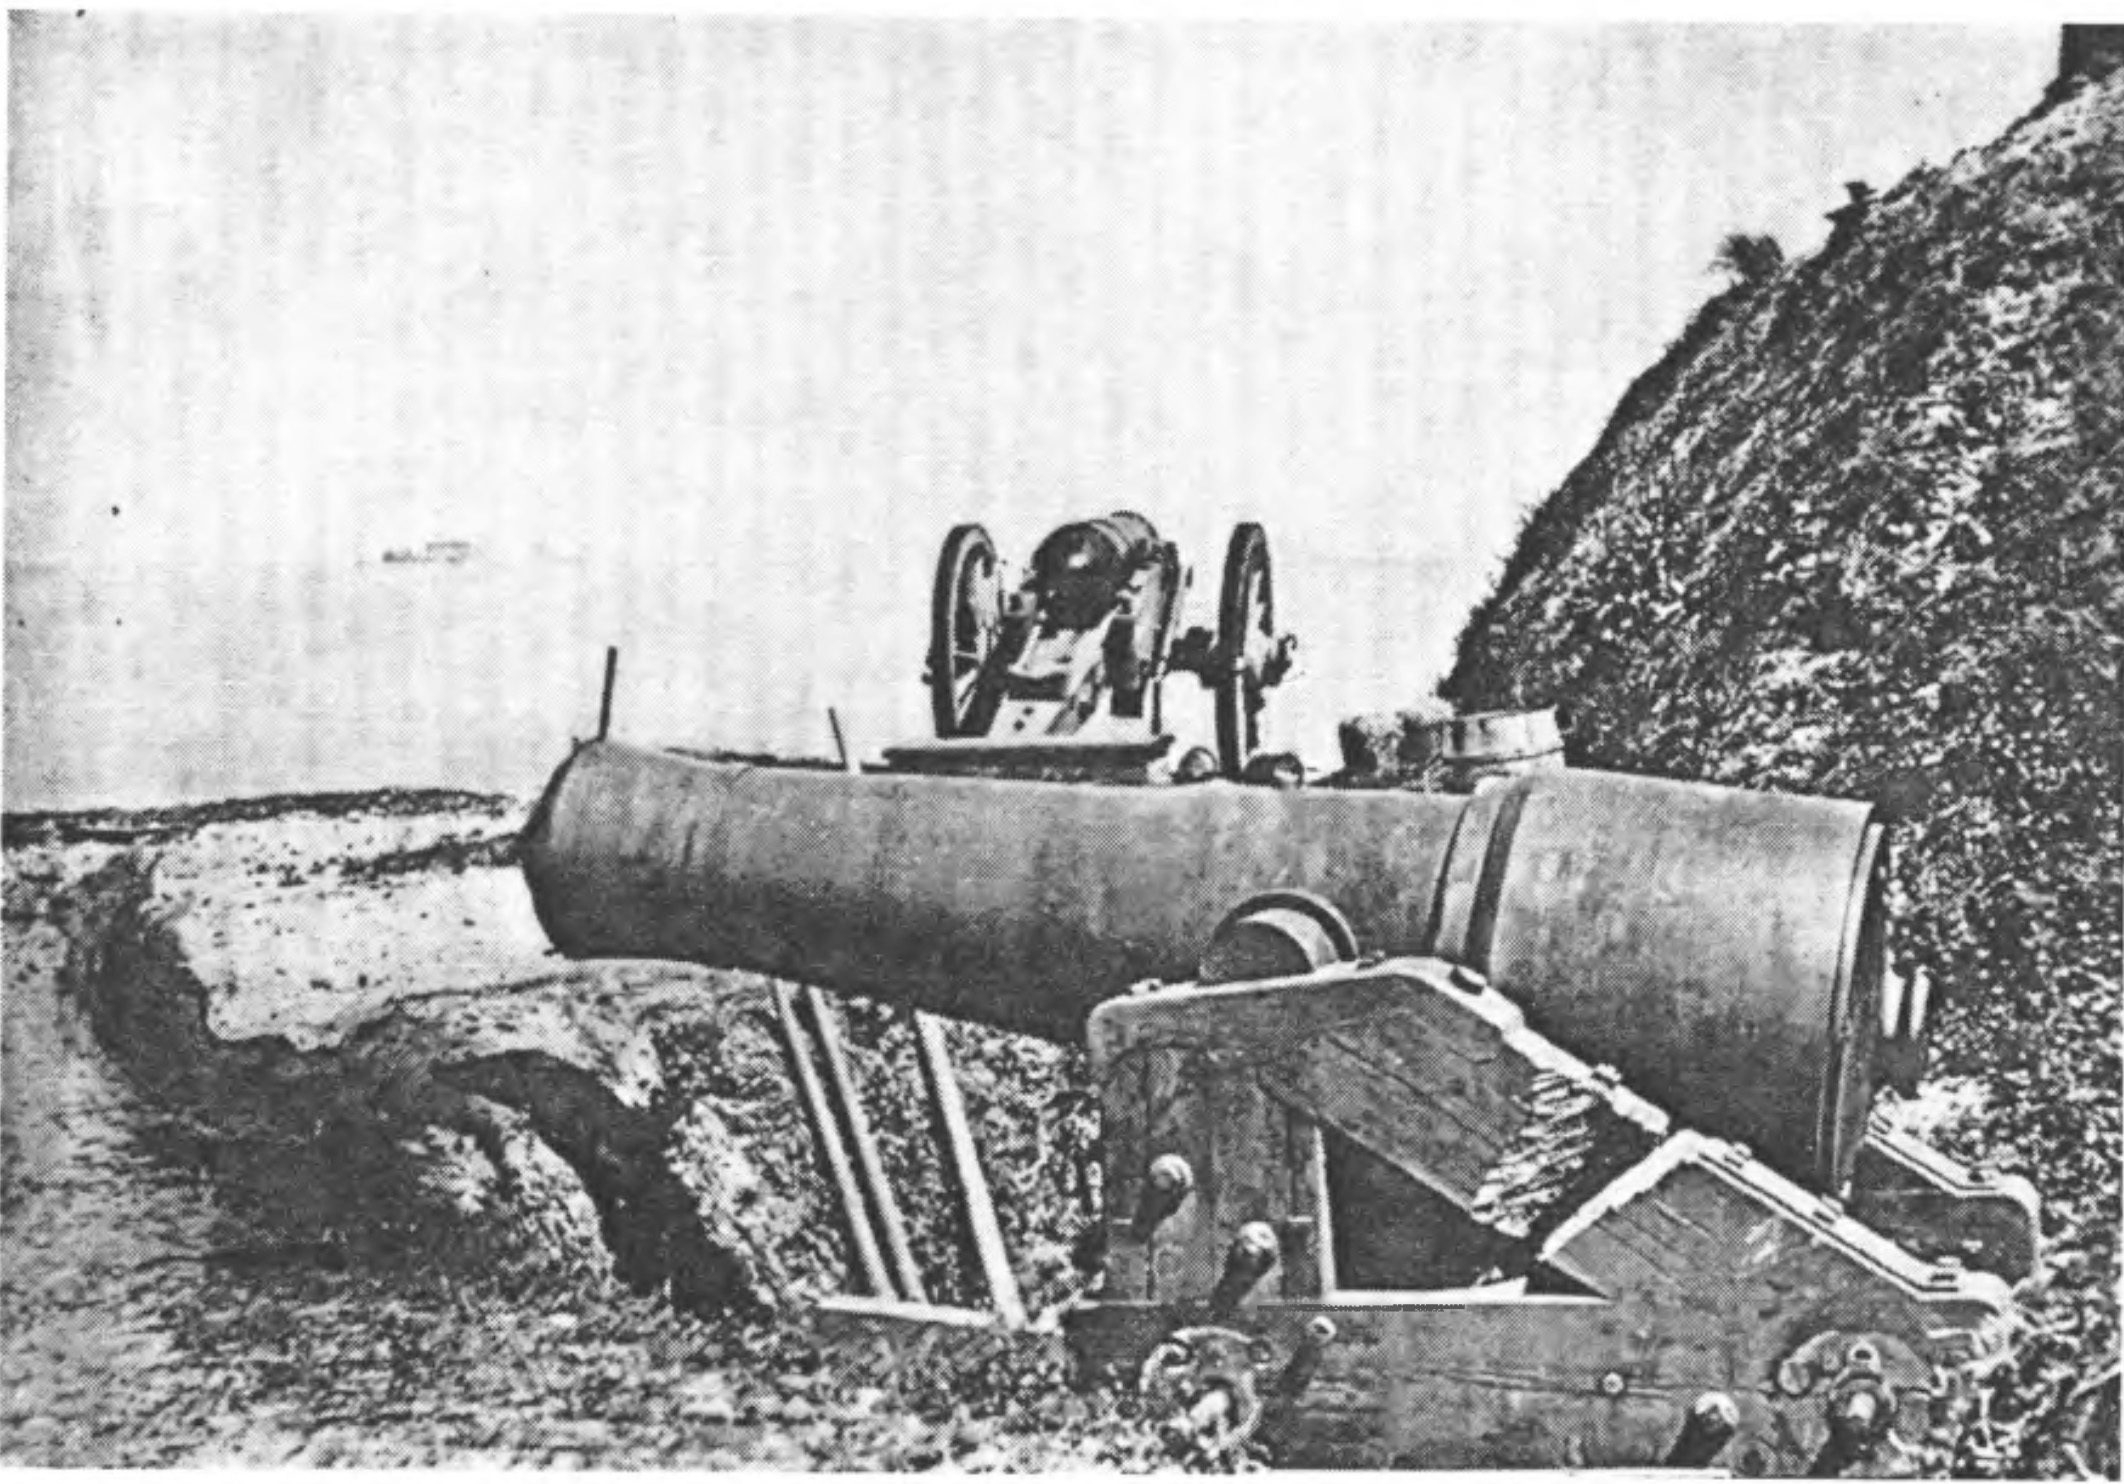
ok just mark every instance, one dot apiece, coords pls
pixel 1722 949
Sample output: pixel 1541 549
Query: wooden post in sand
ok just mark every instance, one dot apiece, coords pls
pixel 604 705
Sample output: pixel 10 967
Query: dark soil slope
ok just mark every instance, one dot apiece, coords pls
pixel 1857 534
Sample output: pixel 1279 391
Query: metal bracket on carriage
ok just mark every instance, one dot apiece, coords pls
pixel 1940 1209
pixel 1446 1241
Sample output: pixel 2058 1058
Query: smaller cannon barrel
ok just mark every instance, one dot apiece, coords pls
pixel 1722 949
pixel 1080 568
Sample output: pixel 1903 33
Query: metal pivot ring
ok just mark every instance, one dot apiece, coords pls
pixel 1277 935
pixel 1208 1374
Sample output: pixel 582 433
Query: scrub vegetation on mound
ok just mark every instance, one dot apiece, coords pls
pixel 1857 534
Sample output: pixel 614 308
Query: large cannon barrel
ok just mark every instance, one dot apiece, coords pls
pixel 1722 949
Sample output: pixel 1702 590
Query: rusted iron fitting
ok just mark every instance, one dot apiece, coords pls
pixel 1860 1417
pixel 1274 770
pixel 1712 1420
pixel 1204 1378
pixel 1252 1253
pixel 1827 1357
pixel 1305 1359
pixel 1196 765
pixel 1213 1409
pixel 1165 1186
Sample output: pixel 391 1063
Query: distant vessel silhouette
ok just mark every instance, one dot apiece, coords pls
pixel 444 553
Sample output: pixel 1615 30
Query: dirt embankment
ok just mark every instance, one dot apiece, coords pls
pixel 1856 534
pixel 315 1153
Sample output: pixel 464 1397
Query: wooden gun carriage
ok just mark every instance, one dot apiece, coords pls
pixel 1527 1128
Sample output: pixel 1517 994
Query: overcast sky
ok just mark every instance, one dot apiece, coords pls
pixel 740 316
pixel 637 288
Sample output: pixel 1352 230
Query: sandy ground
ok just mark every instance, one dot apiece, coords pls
pixel 249 1214
pixel 102 1239
pixel 149 1318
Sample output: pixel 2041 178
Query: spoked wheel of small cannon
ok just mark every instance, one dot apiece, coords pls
pixel 966 614
pixel 1169 581
pixel 1246 646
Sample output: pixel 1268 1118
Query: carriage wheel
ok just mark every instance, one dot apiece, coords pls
pixel 1170 579
pixel 965 617
pixel 1246 641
